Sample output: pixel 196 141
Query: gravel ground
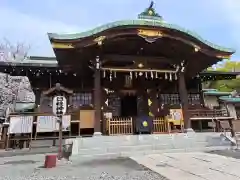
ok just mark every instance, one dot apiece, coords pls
pixel 29 168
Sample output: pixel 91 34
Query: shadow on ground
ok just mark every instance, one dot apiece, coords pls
pixel 122 162
pixel 228 153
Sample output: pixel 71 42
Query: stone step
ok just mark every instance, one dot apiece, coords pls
pixel 145 151
pixel 135 140
pixel 154 147
pixel 118 144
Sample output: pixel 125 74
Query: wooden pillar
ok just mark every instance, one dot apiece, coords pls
pixel 184 100
pixel 145 103
pixel 97 97
pixel 199 81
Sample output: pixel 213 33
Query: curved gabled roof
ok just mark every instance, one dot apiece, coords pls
pixel 148 18
pixel 138 22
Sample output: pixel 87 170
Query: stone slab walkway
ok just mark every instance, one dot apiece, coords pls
pixel 192 166
pixel 104 168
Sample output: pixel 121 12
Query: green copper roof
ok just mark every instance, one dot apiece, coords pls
pixel 230 99
pixel 147 18
pixel 207 90
pixel 223 96
pixel 216 93
pixel 34 61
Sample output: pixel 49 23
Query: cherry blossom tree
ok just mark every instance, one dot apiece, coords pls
pixel 13 89
pixel 13 52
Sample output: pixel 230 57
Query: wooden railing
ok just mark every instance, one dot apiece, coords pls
pixel 207 113
pixel 160 125
pixel 119 126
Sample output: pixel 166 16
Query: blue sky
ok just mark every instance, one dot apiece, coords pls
pixel 29 20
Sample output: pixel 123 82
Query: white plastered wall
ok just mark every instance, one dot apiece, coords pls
pixel 232 110
pixel 211 101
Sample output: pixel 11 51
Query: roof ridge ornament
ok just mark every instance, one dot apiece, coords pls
pixel 150 13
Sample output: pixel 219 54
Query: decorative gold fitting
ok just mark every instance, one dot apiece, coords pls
pixel 62 45
pixel 223 56
pixel 149 33
pixel 196 48
pixel 99 40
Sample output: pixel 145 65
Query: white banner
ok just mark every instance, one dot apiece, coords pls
pixel 50 124
pixel 20 124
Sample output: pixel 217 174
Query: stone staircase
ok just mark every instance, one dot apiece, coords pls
pixel 132 144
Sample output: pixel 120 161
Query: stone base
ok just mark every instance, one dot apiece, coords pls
pixel 102 145
pixel 97 134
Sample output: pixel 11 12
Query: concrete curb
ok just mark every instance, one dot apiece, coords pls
pixel 26 152
pixel 142 153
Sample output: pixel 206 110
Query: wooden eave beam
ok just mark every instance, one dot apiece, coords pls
pixel 130 58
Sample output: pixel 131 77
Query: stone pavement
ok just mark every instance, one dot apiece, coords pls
pixel 102 168
pixel 26 151
pixel 192 166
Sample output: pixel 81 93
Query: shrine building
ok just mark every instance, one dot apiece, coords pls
pixel 128 70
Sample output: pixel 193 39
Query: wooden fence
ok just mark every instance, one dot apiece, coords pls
pixel 160 125
pixel 119 126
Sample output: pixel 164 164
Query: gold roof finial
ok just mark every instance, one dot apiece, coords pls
pixel 150 13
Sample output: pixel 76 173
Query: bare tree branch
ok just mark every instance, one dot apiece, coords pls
pixel 13 52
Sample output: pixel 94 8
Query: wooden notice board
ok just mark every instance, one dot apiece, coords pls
pixel 87 119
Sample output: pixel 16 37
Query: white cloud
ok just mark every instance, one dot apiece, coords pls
pixel 17 26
